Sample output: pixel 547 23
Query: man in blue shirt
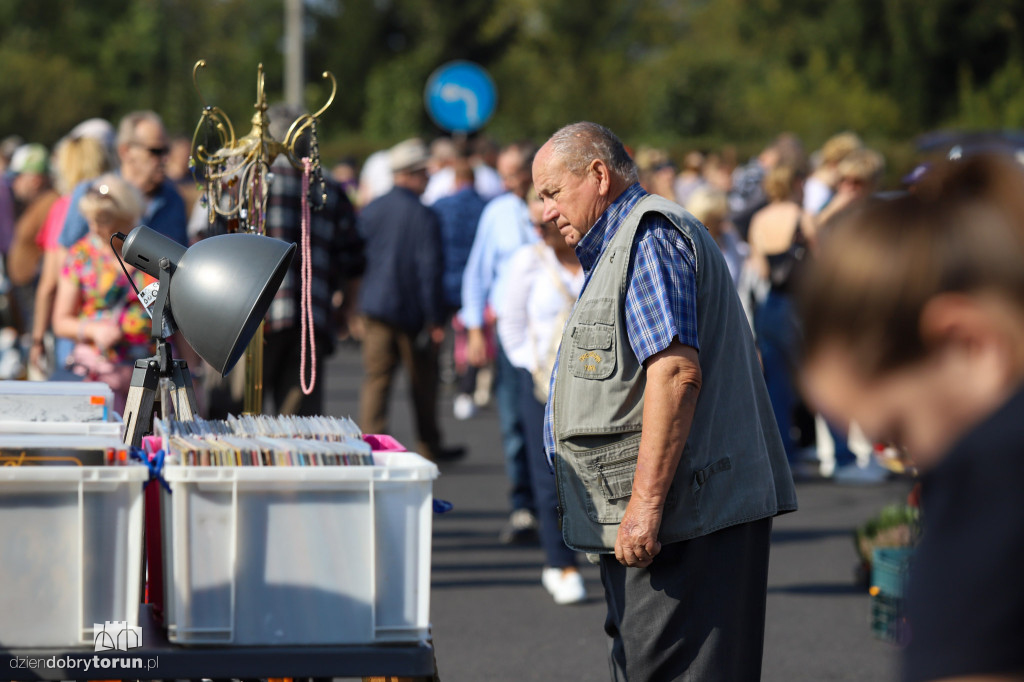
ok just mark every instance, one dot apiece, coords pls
pixel 504 227
pixel 142 148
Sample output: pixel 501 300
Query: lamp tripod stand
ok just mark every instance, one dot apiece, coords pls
pixel 145 397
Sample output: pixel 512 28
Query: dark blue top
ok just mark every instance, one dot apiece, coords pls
pixel 965 600
pixel 459 215
pixel 165 213
pixel 402 281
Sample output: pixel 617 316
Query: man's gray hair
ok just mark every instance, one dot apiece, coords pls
pixel 126 128
pixel 577 144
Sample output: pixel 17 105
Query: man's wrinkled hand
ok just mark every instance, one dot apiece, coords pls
pixel 637 542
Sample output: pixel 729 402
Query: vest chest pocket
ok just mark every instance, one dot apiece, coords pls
pixel 593 351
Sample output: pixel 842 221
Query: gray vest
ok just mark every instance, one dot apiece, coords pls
pixel 733 467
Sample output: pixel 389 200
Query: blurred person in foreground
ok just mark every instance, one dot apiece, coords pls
pixel 548 278
pixel 668 460
pixel 914 327
pixel 96 305
pixel 78 157
pixel 401 300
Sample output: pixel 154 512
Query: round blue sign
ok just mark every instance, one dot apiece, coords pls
pixel 460 97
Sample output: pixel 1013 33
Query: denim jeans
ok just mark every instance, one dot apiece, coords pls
pixel 556 553
pixel 517 465
pixel 777 339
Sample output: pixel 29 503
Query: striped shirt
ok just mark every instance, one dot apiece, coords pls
pixel 661 297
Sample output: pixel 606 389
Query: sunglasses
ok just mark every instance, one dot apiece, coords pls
pixel 155 151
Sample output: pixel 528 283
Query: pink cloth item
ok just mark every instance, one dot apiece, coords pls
pixel 381 442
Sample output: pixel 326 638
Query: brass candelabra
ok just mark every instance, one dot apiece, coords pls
pixel 236 179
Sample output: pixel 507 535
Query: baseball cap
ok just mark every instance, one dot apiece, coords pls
pixel 97 128
pixel 30 158
pixel 409 155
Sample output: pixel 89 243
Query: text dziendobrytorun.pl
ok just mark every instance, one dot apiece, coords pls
pixel 86 664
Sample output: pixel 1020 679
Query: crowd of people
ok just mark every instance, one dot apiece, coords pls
pixel 434 258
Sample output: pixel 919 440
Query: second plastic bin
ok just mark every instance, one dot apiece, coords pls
pixel 72 552
pixel 298 555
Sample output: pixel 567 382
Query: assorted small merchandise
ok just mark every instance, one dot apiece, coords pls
pixel 265 441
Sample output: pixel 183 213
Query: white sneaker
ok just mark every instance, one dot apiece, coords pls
pixel 464 408
pixel 853 474
pixel 564 585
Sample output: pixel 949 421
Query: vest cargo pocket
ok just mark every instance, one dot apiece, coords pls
pixel 593 351
pixel 608 477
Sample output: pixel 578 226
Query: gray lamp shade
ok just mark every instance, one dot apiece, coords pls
pixel 220 288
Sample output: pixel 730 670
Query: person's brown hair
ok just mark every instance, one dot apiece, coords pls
pixel 865 165
pixel 780 183
pixel 880 263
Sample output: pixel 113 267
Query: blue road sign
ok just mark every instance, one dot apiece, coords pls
pixel 460 97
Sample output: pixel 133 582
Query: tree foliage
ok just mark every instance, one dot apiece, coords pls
pixel 653 70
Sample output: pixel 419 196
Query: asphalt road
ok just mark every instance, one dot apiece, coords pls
pixel 493 621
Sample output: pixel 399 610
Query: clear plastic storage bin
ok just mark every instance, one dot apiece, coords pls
pixel 298 555
pixel 72 552
pixel 56 401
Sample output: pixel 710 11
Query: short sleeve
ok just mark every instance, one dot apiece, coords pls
pixel 661 298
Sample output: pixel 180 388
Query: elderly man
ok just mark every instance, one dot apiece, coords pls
pixel 668 459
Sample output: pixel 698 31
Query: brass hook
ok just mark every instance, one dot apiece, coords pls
pixel 195 81
pixel 261 98
pixel 334 91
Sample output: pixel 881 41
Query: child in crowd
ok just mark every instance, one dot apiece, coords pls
pixel 913 316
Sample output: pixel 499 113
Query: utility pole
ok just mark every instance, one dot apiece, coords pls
pixel 294 82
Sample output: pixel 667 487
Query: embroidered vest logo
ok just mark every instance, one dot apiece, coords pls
pixel 588 366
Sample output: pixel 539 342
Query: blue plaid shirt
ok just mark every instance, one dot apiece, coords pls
pixel 661 298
